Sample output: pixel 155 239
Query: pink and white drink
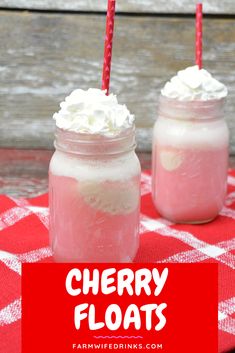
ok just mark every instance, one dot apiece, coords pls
pixel 190 148
pixel 94 181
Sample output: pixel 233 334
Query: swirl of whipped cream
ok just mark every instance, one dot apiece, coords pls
pixel 93 112
pixel 194 84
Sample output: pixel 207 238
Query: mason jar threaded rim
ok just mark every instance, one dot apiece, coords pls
pixel 86 144
pixel 191 110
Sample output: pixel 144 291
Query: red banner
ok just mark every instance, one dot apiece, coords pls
pixel 119 307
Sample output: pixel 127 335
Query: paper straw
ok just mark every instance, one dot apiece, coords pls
pixel 108 45
pixel 199 16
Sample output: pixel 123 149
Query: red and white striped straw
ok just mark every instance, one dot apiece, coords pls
pixel 108 45
pixel 199 41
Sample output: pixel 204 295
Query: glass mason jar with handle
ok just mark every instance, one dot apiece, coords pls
pixel 190 159
pixel 94 197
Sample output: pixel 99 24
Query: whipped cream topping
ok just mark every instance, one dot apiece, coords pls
pixel 194 84
pixel 93 112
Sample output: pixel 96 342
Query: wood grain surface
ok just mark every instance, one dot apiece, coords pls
pixel 138 6
pixel 24 173
pixel 43 57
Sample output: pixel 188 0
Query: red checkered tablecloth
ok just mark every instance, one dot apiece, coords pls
pixel 24 238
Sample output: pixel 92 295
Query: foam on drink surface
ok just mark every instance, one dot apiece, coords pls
pixel 121 168
pixel 107 185
pixel 188 134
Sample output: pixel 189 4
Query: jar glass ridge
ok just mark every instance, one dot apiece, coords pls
pixel 87 145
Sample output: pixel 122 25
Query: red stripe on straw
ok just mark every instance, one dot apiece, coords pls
pixel 199 16
pixel 108 45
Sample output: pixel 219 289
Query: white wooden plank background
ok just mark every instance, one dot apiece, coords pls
pixel 43 57
pixel 147 6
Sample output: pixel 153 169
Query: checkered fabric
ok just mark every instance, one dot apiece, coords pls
pixel 24 238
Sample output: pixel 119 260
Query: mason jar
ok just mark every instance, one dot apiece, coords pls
pixel 190 160
pixel 94 197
